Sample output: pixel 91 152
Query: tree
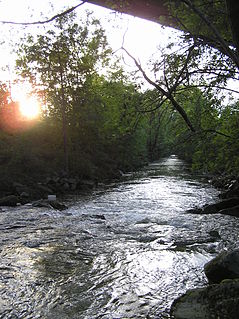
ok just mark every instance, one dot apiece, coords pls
pixel 58 64
pixel 108 123
pixel 211 23
pixel 202 58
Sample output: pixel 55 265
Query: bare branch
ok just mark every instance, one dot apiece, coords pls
pixel 219 133
pixel 124 35
pixel 208 87
pixel 202 133
pixel 179 76
pixel 45 21
pixel 152 109
pixel 163 92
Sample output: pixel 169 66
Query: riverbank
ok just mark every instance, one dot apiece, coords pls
pixel 220 297
pixel 22 193
pixel 30 188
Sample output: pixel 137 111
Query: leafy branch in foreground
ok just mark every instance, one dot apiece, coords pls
pixel 210 23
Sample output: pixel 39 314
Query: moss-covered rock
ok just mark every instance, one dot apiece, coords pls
pixel 219 301
pixel 10 200
pixel 224 266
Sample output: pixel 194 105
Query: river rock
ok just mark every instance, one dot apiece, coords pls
pixel 41 203
pixel 20 188
pixel 211 302
pixel 232 191
pixel 195 210
pixel 49 204
pixel 219 207
pixel 215 234
pixel 10 200
pixel 224 266
pixel 233 211
pixel 24 195
pixel 98 216
pixel 58 206
pixel 215 208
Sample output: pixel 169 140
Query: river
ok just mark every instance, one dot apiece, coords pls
pixel 125 251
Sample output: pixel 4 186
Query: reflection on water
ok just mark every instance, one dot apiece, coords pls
pixel 126 251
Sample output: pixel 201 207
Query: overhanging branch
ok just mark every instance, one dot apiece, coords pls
pixel 45 21
pixel 217 34
pixel 168 94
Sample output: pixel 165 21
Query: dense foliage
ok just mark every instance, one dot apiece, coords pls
pixel 89 125
pixel 213 147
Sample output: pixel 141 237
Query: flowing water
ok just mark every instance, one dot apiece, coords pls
pixel 125 251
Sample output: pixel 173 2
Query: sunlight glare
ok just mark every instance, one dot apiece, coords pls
pixel 29 107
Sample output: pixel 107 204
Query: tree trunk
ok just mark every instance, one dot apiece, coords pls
pixel 65 141
pixel 233 13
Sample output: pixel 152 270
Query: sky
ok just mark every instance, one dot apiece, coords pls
pixel 141 39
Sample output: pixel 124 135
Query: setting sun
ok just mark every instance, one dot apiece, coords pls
pixel 29 107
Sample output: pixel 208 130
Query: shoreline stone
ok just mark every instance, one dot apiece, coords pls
pixel 224 266
pixel 10 200
pixel 30 192
pixel 218 300
pixel 228 206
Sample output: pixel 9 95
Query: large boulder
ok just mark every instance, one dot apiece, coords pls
pixel 215 208
pixel 57 205
pixel 232 191
pixel 224 266
pixel 10 200
pixel 222 207
pixel 219 301
pixel 232 211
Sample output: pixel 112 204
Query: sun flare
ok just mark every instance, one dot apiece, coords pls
pixel 29 107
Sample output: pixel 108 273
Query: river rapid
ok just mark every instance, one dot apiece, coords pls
pixel 125 251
